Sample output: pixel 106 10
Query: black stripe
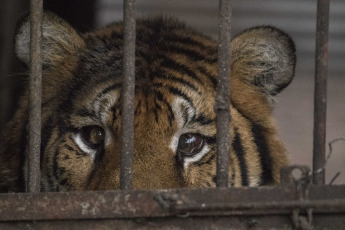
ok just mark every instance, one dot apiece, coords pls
pixel 211 77
pixel 156 114
pixel 108 89
pixel 210 139
pixel 189 41
pixel 170 77
pixel 22 153
pixel 56 153
pixel 63 182
pixel 192 54
pixel 116 35
pixel 202 120
pixel 86 113
pixel 67 106
pixel 175 66
pixel 264 152
pixel 157 108
pixel 136 112
pixel 179 93
pixel 170 112
pixel 110 76
pixel 115 111
pixel 64 126
pixel 46 134
pixel 157 85
pixel 48 102
pixel 207 162
pixel 82 77
pixel 75 87
pixel 232 182
pixel 239 151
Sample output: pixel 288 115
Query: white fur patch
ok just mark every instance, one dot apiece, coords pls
pixel 22 47
pixel 103 104
pixel 181 108
pixel 102 107
pixel 196 157
pixel 82 146
pixel 176 107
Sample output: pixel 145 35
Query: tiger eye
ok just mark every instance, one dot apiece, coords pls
pixel 190 144
pixel 96 136
pixel 93 135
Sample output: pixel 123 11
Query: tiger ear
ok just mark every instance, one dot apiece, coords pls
pixel 265 57
pixel 59 40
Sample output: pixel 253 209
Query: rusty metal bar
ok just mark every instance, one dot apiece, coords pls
pixel 320 222
pixel 320 93
pixel 222 104
pixel 35 94
pixel 336 205
pixel 164 203
pixel 128 86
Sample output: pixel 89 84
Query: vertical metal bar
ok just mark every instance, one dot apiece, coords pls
pixel 320 93
pixel 222 105
pixel 35 93
pixel 128 86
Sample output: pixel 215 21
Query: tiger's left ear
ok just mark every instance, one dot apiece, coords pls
pixel 264 57
pixel 59 40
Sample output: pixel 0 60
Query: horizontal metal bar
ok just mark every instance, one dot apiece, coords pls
pixel 334 205
pixel 161 203
pixel 334 222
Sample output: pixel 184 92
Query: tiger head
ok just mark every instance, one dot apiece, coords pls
pixel 175 122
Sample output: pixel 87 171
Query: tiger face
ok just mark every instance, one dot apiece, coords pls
pixel 175 122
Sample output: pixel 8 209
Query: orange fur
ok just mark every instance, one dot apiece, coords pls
pixel 176 75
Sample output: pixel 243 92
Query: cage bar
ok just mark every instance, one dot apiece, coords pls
pixel 320 93
pixel 128 86
pixel 222 104
pixel 163 203
pixel 35 94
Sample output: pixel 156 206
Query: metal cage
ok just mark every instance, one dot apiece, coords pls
pixel 294 204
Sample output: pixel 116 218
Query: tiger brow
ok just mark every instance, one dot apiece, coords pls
pixel 178 92
pixel 202 119
pixel 173 65
pixel 107 90
pixel 185 114
pixel 86 113
pixel 161 98
pixel 172 78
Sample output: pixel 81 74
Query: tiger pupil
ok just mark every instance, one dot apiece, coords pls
pixel 96 136
pixel 185 142
pixel 190 144
pixel 93 135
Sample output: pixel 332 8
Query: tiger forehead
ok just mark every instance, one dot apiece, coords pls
pixel 164 48
pixel 165 103
pixel 172 62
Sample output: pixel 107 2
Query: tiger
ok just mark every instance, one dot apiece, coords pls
pixel 176 69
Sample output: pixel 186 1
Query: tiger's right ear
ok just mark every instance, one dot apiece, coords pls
pixel 59 40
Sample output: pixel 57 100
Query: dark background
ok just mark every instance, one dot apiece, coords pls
pixel 78 13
